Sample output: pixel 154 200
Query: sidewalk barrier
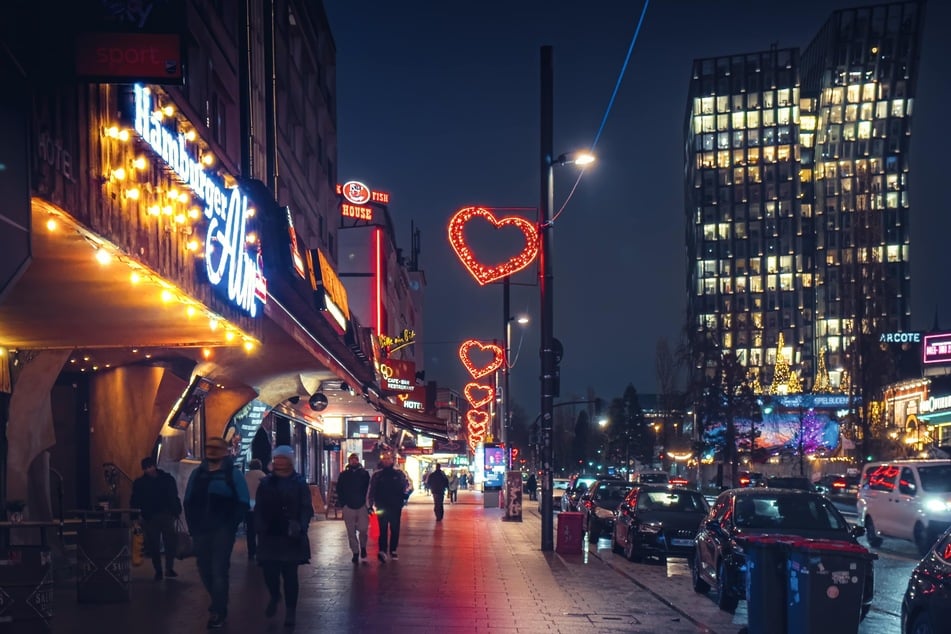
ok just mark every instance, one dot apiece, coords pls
pixel 26 589
pixel 570 535
pixel 765 583
pixel 104 557
pixel 825 583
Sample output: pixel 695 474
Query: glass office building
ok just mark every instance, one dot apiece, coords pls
pixel 796 191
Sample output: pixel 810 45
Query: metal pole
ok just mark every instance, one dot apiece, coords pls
pixel 546 297
pixel 506 369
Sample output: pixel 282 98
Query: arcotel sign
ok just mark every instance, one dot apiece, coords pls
pixel 227 262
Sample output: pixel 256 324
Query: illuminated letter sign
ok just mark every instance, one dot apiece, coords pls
pixel 296 259
pixel 356 192
pixel 398 375
pixel 900 337
pixel 227 262
pixel 332 297
pixel 936 403
pixel 392 344
pixel 937 348
pixel 486 274
pixel 477 372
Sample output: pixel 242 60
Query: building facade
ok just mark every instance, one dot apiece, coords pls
pixel 796 192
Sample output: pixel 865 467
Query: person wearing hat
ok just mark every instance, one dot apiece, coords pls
pixel 216 501
pixel 155 494
pixel 282 513
pixel 389 489
pixel 352 486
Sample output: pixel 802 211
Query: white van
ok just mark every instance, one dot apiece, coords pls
pixel 905 499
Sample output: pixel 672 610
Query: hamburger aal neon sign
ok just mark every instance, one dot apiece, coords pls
pixel 229 266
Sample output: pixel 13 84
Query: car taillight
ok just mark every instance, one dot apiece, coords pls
pixel 838 485
pixel 588 504
pixel 744 481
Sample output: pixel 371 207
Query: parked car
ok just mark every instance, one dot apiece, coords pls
pixel 905 499
pixel 598 505
pixel 749 479
pixel 790 482
pixel 578 486
pixel 719 560
pixel 926 607
pixel 658 520
pixel 558 488
pixel 838 485
pixel 651 477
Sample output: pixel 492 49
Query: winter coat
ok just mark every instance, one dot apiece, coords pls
pixel 282 513
pixel 352 486
pixel 437 482
pixel 156 495
pixel 389 489
pixel 454 482
pixel 215 499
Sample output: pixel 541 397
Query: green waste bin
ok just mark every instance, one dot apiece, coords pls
pixel 765 583
pixel 26 589
pixel 825 585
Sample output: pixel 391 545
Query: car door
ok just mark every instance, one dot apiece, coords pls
pixel 707 538
pixel 905 499
pixel 880 498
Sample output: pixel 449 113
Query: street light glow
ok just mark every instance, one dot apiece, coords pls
pixel 584 158
pixel 522 320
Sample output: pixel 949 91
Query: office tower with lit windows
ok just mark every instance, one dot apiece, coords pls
pixel 796 191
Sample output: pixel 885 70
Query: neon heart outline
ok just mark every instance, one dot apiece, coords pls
pixel 486 274
pixel 475 372
pixel 473 401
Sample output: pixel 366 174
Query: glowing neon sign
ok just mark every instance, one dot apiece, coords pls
pixel 477 425
pixel 478 394
pixel 477 372
pixel 486 274
pixel 227 262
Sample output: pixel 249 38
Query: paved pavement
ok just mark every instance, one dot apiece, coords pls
pixel 471 572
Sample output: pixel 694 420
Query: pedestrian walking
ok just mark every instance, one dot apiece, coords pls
pixel 155 494
pixel 453 488
pixel 353 483
pixel 253 478
pixel 216 502
pixel 532 485
pixel 389 490
pixel 438 483
pixel 282 513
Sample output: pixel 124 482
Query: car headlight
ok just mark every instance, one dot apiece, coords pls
pixel 937 505
pixel 650 527
pixel 603 514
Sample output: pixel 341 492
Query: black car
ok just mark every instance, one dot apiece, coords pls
pixel 926 608
pixel 719 560
pixel 598 505
pixel 658 520
pixel 578 486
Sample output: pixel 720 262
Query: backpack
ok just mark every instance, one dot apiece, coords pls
pixel 206 510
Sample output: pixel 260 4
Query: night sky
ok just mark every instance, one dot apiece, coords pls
pixel 438 104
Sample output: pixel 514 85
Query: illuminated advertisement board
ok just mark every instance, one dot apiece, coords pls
pixel 398 375
pixel 937 348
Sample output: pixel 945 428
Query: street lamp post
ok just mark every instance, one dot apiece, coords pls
pixel 506 369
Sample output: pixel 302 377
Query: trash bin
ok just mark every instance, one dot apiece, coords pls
pixel 765 584
pixel 825 582
pixel 26 589
pixel 570 535
pixel 491 497
pixel 103 559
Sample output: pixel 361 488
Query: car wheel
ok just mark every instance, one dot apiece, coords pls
pixel 699 585
pixel 631 551
pixel 921 540
pixel 726 600
pixel 873 538
pixel 921 625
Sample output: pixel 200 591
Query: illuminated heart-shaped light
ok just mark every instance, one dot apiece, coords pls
pixel 478 394
pixel 486 274
pixel 477 372
pixel 477 425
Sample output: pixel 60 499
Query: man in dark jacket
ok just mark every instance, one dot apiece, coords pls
pixel 352 486
pixel 155 493
pixel 216 501
pixel 438 483
pixel 389 490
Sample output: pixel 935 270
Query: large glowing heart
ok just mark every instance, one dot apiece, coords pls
pixel 478 394
pixel 478 422
pixel 477 372
pixel 482 273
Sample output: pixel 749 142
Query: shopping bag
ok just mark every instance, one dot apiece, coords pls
pixel 184 546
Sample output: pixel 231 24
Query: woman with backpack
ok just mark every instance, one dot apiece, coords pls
pixel 282 513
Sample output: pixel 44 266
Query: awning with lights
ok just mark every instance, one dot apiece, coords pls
pixel 416 422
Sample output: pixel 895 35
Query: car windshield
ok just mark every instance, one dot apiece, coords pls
pixel 612 493
pixel 935 479
pixel 560 484
pixel 797 512
pixel 685 501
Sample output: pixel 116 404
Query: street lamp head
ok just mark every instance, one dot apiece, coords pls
pixel 603 422
pixel 522 320
pixel 581 158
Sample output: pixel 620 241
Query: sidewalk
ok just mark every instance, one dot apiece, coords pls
pixel 469 573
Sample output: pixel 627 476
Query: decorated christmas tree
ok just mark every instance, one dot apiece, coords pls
pixel 781 371
pixel 752 377
pixel 822 383
pixel 794 384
